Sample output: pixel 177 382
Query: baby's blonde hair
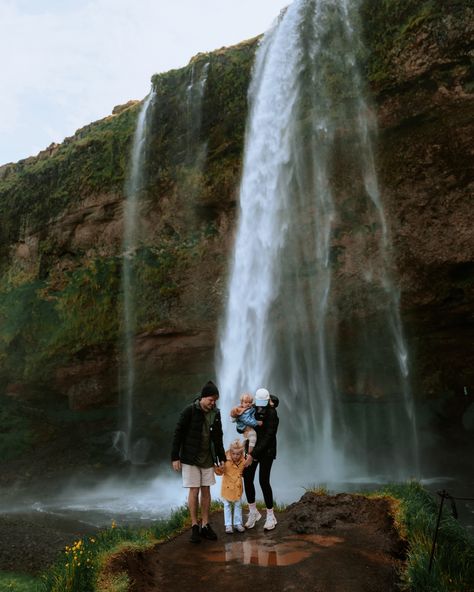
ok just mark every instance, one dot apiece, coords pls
pixel 246 397
pixel 237 445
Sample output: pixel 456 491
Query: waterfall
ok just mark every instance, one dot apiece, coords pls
pixel 312 311
pixel 131 450
pixel 194 97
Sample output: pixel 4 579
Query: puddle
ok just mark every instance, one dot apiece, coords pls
pixel 267 553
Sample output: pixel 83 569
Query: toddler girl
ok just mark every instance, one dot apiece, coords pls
pixel 231 490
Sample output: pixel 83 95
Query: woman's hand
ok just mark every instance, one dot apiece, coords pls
pixel 248 460
pixel 176 465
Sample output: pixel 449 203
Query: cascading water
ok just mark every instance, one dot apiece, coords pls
pixel 195 150
pixel 312 311
pixel 131 450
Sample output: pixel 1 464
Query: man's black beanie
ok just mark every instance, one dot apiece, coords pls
pixel 209 389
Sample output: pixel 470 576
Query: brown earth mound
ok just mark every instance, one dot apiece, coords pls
pixel 341 543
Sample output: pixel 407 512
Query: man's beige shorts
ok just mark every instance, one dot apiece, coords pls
pixel 196 477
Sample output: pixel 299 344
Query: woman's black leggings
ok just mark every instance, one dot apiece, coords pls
pixel 263 478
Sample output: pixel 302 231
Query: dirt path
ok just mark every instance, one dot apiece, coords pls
pixel 341 543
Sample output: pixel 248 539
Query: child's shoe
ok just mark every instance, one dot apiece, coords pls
pixel 239 528
pixel 253 517
pixel 229 529
pixel 270 522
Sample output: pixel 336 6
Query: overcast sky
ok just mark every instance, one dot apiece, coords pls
pixel 66 63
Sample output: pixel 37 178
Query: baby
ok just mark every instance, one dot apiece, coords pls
pixel 244 417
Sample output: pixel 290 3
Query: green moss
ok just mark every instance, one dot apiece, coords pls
pixel 37 189
pixel 43 326
pixel 222 124
pixel 388 27
pixel 87 306
pixel 44 323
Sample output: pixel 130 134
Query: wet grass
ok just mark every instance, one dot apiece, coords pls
pixel 84 566
pixel 14 582
pixel 415 519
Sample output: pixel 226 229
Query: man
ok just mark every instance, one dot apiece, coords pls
pixel 197 448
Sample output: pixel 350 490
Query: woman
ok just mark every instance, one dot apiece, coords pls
pixel 263 454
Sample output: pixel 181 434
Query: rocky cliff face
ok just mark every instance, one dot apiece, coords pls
pixel 423 78
pixel 61 223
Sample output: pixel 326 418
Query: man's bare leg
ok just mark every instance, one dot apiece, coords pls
pixel 193 503
pixel 205 503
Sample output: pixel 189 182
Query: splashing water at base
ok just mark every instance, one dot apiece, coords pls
pixel 312 311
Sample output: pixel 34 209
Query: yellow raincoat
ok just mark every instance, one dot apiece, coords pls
pixel 232 488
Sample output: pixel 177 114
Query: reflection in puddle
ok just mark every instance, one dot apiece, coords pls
pixel 266 553
pixel 318 539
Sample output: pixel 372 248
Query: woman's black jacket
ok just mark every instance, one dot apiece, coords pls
pixel 266 445
pixel 188 433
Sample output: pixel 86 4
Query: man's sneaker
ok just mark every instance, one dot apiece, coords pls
pixel 229 529
pixel 195 537
pixel 239 528
pixel 252 518
pixel 208 533
pixel 270 522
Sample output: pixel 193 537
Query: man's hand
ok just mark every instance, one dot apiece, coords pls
pixel 176 465
pixel 248 460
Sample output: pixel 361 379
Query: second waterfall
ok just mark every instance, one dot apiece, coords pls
pixel 312 311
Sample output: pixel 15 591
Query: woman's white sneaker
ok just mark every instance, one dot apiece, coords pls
pixel 270 523
pixel 253 517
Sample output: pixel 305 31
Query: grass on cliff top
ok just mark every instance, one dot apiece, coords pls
pixel 38 188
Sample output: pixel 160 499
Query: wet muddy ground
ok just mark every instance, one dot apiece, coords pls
pixel 321 543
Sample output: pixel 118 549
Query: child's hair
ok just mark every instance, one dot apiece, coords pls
pixel 246 397
pixel 237 446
